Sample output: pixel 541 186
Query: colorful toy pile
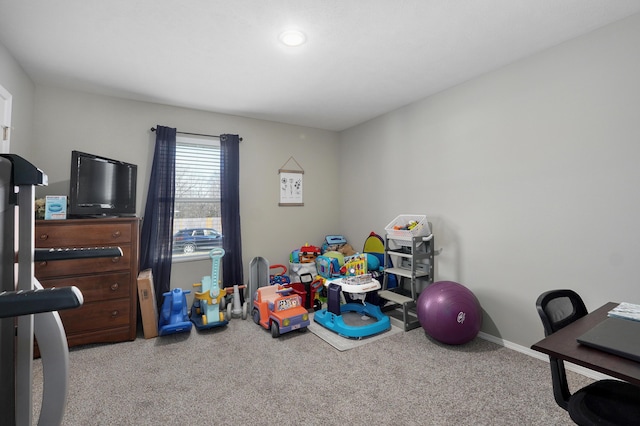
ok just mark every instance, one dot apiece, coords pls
pixel 333 259
pixel 319 275
pixel 283 304
pixel 338 269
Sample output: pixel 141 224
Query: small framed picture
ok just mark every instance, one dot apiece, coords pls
pixel 291 186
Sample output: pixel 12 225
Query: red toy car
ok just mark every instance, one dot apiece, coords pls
pixel 308 289
pixel 309 253
pixel 279 309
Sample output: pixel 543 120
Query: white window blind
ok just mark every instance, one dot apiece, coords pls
pixel 197 197
pixel 197 173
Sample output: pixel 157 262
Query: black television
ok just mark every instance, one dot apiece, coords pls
pixel 101 187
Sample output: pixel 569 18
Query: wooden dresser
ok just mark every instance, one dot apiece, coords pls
pixel 108 285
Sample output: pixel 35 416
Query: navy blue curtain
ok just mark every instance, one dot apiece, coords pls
pixel 230 207
pixel 156 241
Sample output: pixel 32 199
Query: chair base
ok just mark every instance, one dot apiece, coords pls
pixel 606 402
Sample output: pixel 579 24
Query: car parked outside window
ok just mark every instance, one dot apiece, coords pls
pixel 191 240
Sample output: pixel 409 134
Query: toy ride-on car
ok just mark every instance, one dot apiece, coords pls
pixel 279 309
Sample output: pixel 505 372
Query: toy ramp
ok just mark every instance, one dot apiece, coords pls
pixel 374 244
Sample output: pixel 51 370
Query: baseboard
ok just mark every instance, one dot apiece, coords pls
pixel 538 355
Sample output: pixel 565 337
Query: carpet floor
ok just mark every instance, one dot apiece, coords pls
pixel 239 374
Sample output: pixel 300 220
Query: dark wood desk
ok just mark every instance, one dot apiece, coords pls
pixel 563 345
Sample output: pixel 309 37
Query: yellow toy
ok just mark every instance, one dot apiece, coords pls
pixel 206 310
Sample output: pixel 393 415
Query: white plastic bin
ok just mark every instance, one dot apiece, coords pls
pixel 420 230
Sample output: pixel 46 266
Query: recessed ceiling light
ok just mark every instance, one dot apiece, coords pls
pixel 292 38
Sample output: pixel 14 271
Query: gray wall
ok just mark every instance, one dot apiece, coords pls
pixel 530 175
pixel 15 80
pixel 117 128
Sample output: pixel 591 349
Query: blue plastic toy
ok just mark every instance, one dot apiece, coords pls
pixel 174 317
pixel 335 321
pixel 332 317
pixel 207 310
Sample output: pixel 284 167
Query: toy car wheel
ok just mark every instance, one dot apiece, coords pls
pixel 229 310
pixel 244 310
pixel 275 329
pixel 317 305
pixel 189 248
pixel 223 302
pixel 256 316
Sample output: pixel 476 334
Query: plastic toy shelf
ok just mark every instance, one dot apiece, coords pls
pixel 411 261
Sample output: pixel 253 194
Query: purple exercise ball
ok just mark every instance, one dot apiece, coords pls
pixel 449 312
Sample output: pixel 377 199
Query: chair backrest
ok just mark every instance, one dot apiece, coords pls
pixel 557 309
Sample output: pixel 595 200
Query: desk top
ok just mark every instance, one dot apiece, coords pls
pixel 563 345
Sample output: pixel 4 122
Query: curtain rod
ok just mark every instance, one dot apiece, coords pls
pixel 153 129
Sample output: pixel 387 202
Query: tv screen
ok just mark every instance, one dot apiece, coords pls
pixel 101 186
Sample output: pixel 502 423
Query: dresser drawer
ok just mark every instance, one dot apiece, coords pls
pixel 82 235
pixel 96 287
pixel 96 316
pixel 61 268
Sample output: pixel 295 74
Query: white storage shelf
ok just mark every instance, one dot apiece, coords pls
pixel 407 273
pixel 412 263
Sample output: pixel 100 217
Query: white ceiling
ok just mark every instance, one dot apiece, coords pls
pixel 362 58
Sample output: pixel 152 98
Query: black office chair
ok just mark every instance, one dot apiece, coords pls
pixel 604 402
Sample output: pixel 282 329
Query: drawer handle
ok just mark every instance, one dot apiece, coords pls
pixel 114 314
pixel 115 286
pixel 115 259
pixel 42 264
pixel 44 237
pixel 116 234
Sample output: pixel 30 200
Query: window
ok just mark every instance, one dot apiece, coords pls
pixel 196 222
